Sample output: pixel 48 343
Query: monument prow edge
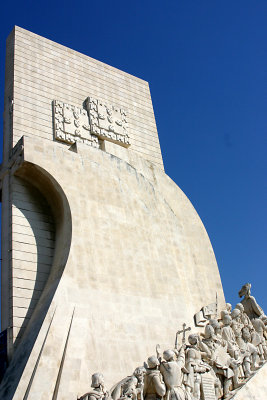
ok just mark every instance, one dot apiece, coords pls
pixel 121 176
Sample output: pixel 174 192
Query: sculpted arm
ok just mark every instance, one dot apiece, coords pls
pixel 205 351
pixel 159 385
pixel 189 356
pixel 181 357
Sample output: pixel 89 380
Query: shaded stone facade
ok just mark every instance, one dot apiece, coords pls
pixel 103 255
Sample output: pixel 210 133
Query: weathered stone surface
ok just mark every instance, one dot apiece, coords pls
pixel 136 246
pixel 255 388
pixel 120 255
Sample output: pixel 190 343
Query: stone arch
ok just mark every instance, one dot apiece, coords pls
pixel 41 184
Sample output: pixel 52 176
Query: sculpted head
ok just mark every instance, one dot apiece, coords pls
pixel 240 307
pixel 168 355
pixel 245 290
pixel 229 307
pixel 139 372
pixel 246 334
pixel 209 331
pixel 192 339
pixel 215 324
pixel 235 313
pixel 227 320
pixel 152 362
pixel 97 380
pixel 223 313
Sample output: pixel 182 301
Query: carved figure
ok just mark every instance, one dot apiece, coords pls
pixel 229 336
pixel 154 386
pixel 130 387
pixel 225 367
pixel 217 329
pixel 243 316
pixel 202 370
pixel 173 374
pixel 229 307
pixel 251 307
pixel 139 373
pixel 237 326
pixel 249 353
pixel 98 392
pixel 194 364
pixel 259 341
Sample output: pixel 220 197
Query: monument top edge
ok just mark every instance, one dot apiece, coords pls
pixel 17 28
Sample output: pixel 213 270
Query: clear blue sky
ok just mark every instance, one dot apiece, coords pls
pixel 206 65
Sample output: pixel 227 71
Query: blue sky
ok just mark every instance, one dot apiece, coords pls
pixel 206 65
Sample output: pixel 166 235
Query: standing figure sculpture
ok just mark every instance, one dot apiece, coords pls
pixel 249 353
pixel 172 370
pixel 213 365
pixel 258 338
pixel 98 392
pixel 229 336
pixel 224 366
pixel 237 326
pixel 194 364
pixel 251 307
pixel 243 316
pixel 154 386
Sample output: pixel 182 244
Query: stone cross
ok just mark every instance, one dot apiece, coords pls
pixel 183 332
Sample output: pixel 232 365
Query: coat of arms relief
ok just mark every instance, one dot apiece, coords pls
pixel 90 125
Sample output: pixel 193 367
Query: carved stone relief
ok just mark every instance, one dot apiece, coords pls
pixel 71 125
pixel 99 121
pixel 213 365
pixel 108 122
pixel 206 313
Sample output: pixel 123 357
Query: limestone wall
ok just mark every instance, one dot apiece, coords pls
pixel 32 252
pixel 37 72
pixel 45 70
pixel 130 260
pixel 140 264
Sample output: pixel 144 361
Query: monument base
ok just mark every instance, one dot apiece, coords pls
pixel 255 388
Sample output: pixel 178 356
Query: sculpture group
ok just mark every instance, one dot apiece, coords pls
pixel 211 366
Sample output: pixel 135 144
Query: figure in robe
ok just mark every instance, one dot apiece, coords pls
pixel 227 310
pixel 98 392
pixel 260 341
pixel 196 366
pixel 224 366
pixel 172 370
pixel 237 326
pixel 251 307
pixel 249 353
pixel 154 386
pixel 229 336
pixel 130 387
pixel 244 319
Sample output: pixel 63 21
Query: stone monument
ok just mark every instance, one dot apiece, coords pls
pixel 103 255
